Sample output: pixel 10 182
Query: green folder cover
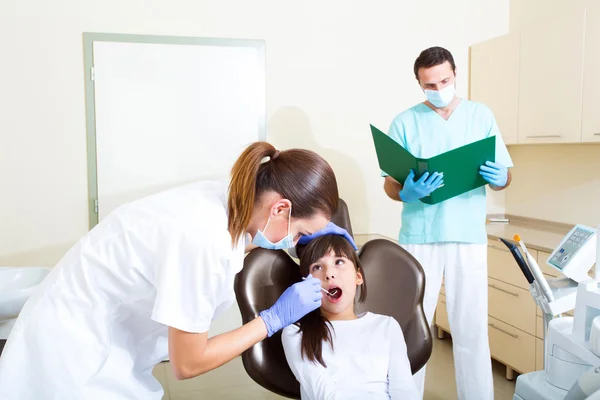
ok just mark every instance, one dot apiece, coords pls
pixel 459 166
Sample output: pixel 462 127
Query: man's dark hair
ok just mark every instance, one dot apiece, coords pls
pixel 431 57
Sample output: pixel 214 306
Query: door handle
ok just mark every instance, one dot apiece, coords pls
pixel 503 331
pixel 503 290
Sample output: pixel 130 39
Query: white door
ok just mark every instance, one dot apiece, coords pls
pixel 169 114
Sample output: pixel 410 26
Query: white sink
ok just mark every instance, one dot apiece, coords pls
pixel 16 285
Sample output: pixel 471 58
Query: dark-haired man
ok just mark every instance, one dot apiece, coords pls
pixel 449 239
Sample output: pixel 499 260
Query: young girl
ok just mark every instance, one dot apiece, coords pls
pixel 336 354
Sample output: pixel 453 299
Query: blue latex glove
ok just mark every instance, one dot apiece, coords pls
pixel 412 191
pixel 297 301
pixel 330 229
pixel 495 174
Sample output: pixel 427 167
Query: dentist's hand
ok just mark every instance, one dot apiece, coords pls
pixel 412 191
pixel 330 229
pixel 297 301
pixel 495 174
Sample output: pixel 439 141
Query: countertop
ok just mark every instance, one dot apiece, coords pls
pixel 536 234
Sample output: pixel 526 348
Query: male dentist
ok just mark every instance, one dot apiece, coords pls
pixel 449 239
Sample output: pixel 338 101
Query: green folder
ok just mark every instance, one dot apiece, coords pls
pixel 459 166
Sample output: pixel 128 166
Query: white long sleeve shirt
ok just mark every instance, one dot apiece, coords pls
pixel 368 361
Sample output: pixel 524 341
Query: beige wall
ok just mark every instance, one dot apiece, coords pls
pixel 556 182
pixel 333 67
pixel 524 13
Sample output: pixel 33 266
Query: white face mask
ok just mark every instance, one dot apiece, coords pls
pixel 441 98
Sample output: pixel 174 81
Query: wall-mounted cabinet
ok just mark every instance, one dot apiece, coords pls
pixel 550 79
pixel 542 81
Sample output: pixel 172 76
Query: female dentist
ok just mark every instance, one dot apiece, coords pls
pixel 145 284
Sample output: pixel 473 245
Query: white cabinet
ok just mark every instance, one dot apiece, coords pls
pixel 591 76
pixel 550 79
pixel 494 81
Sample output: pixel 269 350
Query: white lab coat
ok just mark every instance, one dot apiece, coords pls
pixel 98 324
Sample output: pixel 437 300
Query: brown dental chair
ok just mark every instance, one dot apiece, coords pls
pixel 396 284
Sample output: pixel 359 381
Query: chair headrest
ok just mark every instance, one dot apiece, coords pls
pixel 342 217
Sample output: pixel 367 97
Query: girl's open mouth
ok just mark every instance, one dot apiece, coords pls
pixel 334 293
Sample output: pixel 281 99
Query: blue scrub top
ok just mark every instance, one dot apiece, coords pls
pixel 425 134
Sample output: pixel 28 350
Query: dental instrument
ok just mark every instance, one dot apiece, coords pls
pixel 519 258
pixel 539 276
pixel 535 269
pixel 323 289
pixel 517 239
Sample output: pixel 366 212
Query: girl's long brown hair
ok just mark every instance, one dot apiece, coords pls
pixel 315 328
pixel 301 176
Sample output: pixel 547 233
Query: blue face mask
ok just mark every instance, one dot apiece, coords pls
pixel 286 243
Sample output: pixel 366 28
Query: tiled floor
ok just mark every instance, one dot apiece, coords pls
pixel 232 382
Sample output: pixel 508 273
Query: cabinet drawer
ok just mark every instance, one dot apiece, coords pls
pixel 502 266
pixel 441 316
pixel 511 304
pixel 539 327
pixel 539 354
pixel 512 346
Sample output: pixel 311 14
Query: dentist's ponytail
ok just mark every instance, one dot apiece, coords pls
pixel 301 176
